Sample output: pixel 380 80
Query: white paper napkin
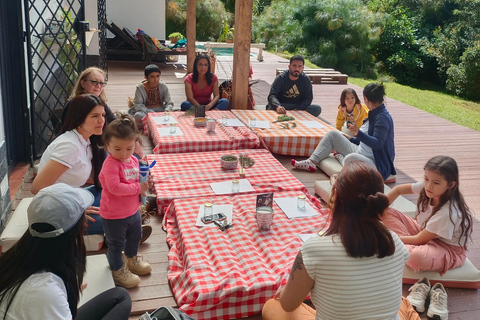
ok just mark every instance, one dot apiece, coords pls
pixel 289 207
pixel 261 124
pixel 161 120
pixel 305 236
pixel 165 132
pixel 234 123
pixel 312 124
pixel 226 209
pixel 225 187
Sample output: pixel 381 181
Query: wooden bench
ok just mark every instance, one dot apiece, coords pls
pixel 318 76
pixel 212 45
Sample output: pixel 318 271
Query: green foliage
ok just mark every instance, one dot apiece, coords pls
pixel 226 32
pixel 336 34
pixel 210 16
pixel 463 79
pixel 176 35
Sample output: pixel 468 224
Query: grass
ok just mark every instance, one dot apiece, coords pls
pixel 449 107
pixel 457 110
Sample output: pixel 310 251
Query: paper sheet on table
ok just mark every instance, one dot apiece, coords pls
pixel 161 120
pixel 305 236
pixel 225 187
pixel 226 209
pixel 165 132
pixel 289 207
pixel 261 124
pixel 234 123
pixel 312 124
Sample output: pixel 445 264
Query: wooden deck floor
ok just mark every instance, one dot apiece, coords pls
pixel 419 136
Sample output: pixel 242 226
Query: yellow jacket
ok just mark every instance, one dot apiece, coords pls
pixel 360 112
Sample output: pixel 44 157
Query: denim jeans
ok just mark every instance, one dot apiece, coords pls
pixel 222 104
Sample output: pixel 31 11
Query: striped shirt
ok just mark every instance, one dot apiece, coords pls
pixel 353 288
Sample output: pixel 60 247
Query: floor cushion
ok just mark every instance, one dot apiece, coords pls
pixel 98 277
pixel 330 165
pixel 466 277
pixel 18 224
pixel 323 189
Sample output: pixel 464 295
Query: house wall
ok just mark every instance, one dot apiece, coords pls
pixel 148 15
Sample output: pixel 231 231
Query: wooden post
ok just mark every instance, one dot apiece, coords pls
pixel 191 33
pixel 241 53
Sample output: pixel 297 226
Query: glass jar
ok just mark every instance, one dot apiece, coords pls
pixel 235 185
pixel 207 209
pixel 301 202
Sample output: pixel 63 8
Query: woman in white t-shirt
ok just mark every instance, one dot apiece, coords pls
pixel 74 157
pixel 354 270
pixel 41 276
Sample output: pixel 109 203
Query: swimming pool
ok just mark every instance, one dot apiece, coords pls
pixel 220 52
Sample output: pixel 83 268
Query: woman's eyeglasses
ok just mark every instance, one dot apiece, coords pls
pixel 97 83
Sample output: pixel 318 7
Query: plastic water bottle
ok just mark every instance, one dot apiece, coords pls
pixel 142 177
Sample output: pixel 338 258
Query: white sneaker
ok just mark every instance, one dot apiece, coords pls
pixel 419 294
pixel 438 309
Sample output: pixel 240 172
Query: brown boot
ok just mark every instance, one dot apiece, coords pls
pixel 124 278
pixel 137 266
pixel 146 232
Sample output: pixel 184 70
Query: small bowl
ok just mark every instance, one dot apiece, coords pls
pixel 200 122
pixel 229 161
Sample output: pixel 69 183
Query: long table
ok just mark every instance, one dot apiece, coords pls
pixel 231 274
pixel 298 141
pixel 187 175
pixel 197 139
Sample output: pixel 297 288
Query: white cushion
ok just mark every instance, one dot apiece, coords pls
pixel 98 277
pixel 466 276
pixel 18 224
pixel 323 189
pixel 330 165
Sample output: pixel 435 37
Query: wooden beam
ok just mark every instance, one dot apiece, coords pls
pixel 191 33
pixel 241 53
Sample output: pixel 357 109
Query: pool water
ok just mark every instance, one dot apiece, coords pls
pixel 221 52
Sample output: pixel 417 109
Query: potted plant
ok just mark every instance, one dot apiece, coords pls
pixel 174 37
pixel 229 36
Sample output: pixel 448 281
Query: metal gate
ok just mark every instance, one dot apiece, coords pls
pixel 55 36
pixel 102 36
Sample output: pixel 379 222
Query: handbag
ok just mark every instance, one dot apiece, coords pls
pixel 166 313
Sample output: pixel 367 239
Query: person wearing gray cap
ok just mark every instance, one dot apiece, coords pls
pixel 41 276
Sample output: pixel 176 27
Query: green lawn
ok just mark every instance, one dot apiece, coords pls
pixel 463 112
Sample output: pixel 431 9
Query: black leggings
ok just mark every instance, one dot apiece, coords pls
pixel 112 304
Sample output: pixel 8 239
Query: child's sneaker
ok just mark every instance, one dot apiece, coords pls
pixel 438 309
pixel 124 278
pixel 339 157
pixel 137 266
pixel 419 294
pixel 306 165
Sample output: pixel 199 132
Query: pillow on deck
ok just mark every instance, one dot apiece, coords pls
pixel 18 224
pixel 465 277
pixel 323 189
pixel 98 277
pixel 330 165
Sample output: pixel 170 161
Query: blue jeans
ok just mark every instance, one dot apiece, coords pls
pixel 313 109
pixel 222 104
pixel 122 235
pixel 94 227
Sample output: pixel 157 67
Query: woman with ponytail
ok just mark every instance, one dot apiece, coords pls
pixel 353 269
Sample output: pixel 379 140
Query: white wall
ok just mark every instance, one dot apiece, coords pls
pixel 91 15
pixel 148 15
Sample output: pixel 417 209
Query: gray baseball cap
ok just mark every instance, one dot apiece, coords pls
pixel 59 205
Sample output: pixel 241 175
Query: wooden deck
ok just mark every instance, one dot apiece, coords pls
pixel 419 136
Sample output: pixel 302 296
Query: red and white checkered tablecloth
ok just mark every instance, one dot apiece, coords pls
pixel 189 175
pixel 231 274
pixel 197 139
pixel 299 141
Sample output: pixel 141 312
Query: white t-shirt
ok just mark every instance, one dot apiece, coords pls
pixel 41 296
pixel 448 230
pixel 363 149
pixel 73 151
pixel 353 288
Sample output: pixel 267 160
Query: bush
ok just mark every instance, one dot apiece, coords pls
pixel 463 79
